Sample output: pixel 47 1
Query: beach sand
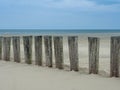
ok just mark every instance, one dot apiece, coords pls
pixel 104 53
pixel 15 76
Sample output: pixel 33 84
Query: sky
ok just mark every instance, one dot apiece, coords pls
pixel 59 14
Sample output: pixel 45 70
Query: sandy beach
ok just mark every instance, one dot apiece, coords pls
pixel 16 76
pixel 104 52
pixel 59 44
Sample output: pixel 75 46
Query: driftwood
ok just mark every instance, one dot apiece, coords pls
pixel 28 49
pixel 38 50
pixel 73 52
pixel 16 48
pixel 6 48
pixel 58 47
pixel 115 56
pixel 1 48
pixel 48 50
pixel 93 54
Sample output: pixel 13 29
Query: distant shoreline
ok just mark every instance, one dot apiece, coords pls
pixel 34 32
pixel 60 30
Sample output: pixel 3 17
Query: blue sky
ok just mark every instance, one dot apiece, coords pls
pixel 60 14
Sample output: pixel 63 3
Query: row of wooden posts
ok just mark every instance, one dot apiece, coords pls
pixel 58 49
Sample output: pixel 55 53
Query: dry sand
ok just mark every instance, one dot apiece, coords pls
pixel 15 76
pixel 104 55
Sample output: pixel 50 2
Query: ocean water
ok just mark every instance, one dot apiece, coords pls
pixel 57 31
pixel 80 32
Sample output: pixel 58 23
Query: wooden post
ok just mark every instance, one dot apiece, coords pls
pixel 6 48
pixel 93 54
pixel 48 50
pixel 58 47
pixel 115 56
pixel 38 50
pixel 28 48
pixel 73 52
pixel 1 48
pixel 16 48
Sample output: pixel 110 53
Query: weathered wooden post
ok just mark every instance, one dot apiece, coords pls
pixel 6 48
pixel 115 57
pixel 38 50
pixel 16 48
pixel 58 47
pixel 48 50
pixel 1 48
pixel 28 48
pixel 93 54
pixel 73 52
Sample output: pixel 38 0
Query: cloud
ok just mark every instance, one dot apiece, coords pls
pixel 72 3
pixel 106 2
pixel 84 5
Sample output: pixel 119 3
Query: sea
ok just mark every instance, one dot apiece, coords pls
pixel 95 32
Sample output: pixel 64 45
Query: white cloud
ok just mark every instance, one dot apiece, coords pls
pixel 89 5
pixel 73 3
pixel 82 5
